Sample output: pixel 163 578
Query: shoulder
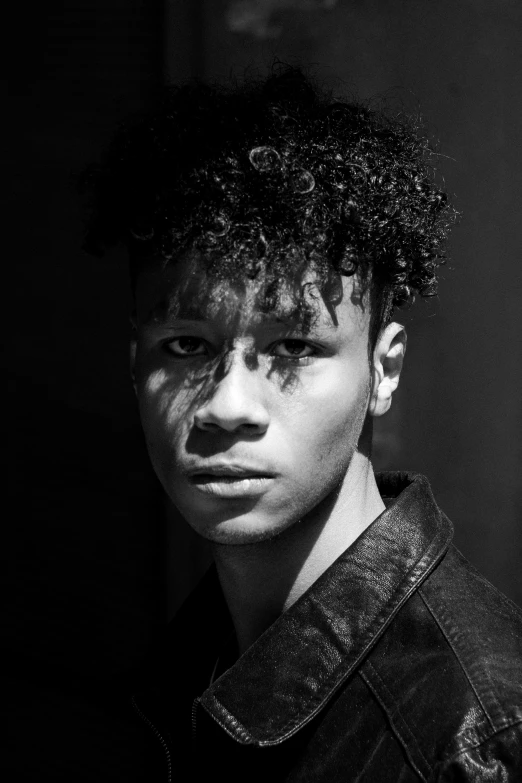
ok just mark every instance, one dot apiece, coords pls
pixel 482 630
pixel 448 673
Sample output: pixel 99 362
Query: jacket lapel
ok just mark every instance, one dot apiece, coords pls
pixel 283 680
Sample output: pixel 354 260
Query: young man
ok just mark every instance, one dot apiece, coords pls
pixel 272 230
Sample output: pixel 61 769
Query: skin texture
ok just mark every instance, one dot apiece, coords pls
pixel 218 381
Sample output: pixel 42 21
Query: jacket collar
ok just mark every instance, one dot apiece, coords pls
pixel 286 677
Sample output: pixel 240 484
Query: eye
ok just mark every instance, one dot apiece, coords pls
pixel 186 346
pixel 294 349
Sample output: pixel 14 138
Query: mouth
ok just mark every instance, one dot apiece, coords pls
pixel 231 481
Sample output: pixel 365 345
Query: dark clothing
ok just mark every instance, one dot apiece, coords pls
pixel 400 663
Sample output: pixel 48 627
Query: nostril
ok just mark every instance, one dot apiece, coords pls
pixel 208 426
pixel 207 421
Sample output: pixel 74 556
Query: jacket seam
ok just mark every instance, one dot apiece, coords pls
pixel 393 719
pixel 235 725
pixel 444 631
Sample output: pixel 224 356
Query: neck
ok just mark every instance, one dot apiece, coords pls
pixel 260 581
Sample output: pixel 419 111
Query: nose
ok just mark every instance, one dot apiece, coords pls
pixel 236 403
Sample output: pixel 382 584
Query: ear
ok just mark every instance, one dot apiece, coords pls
pixel 132 349
pixel 388 357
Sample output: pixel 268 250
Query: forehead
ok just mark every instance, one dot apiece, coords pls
pixel 182 291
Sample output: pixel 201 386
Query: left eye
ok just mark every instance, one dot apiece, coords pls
pixel 293 349
pixel 186 346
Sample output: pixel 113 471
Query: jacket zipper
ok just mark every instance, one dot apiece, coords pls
pixel 194 717
pixel 156 733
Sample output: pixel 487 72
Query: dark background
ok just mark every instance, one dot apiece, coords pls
pixel 93 558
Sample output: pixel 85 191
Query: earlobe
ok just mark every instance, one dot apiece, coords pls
pixel 388 359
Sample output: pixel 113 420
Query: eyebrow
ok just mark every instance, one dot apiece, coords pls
pixel 161 313
pixel 181 321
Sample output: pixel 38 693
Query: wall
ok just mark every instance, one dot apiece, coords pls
pixel 81 520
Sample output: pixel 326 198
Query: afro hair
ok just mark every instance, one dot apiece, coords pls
pixel 275 175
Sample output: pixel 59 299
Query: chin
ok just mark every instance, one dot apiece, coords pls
pixel 239 531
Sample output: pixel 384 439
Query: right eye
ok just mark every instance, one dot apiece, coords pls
pixel 186 346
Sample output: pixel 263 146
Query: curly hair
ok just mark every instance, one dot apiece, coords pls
pixel 276 176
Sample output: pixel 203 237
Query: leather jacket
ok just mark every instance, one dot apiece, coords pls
pixel 400 663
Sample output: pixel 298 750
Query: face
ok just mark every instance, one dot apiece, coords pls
pixel 250 422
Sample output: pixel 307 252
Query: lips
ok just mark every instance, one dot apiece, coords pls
pixel 231 481
pixel 230 470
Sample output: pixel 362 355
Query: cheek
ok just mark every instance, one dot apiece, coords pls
pixel 164 396
pixel 164 407
pixel 328 418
